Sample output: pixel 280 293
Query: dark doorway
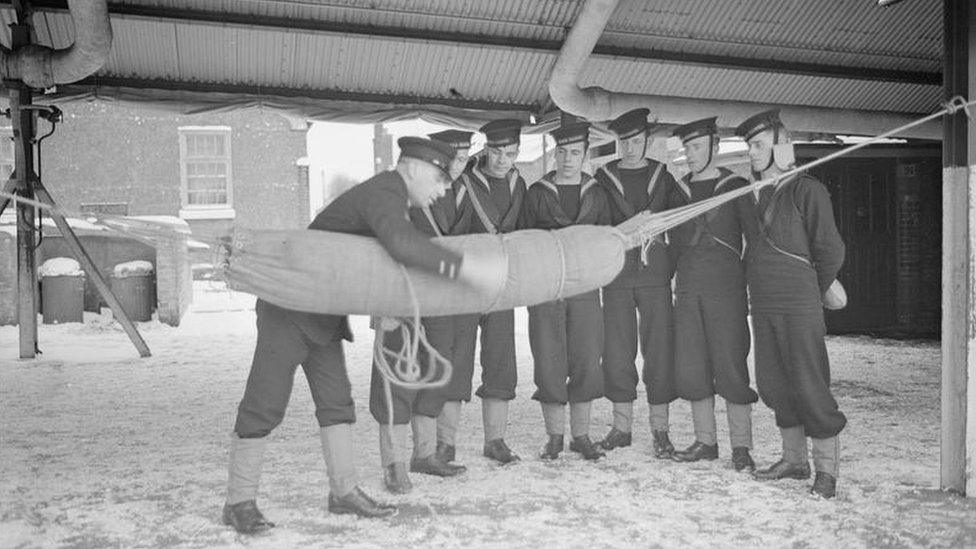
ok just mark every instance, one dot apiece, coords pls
pixel 863 192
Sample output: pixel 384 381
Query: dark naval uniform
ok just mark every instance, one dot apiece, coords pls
pixel 287 338
pixel 710 294
pixel 710 307
pixel 566 336
pixel 490 205
pixel 794 255
pixel 640 287
pixel 437 220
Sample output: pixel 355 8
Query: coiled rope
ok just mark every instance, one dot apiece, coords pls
pixel 402 367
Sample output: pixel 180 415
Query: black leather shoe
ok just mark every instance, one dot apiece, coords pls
pixel 615 439
pixel 246 518
pixel 358 503
pixel 784 469
pixel 741 460
pixel 431 465
pixel 697 452
pixel 663 449
pixel 585 447
pixel 824 485
pixel 445 452
pixel 395 478
pixel 499 451
pixel 553 447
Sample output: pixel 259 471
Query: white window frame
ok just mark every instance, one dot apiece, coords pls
pixel 206 211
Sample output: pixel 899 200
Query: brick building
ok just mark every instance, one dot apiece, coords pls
pixel 214 171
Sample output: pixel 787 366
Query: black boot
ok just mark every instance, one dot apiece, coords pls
pixel 395 478
pixel 585 447
pixel 431 465
pixel 741 460
pixel 553 447
pixel 246 518
pixel 615 439
pixel 784 469
pixel 824 485
pixel 663 449
pixel 697 452
pixel 358 503
pixel 445 452
pixel 500 452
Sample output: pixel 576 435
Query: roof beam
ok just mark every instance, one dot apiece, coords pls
pixel 310 25
pixel 272 92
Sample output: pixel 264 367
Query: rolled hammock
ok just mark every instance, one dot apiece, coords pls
pixel 334 273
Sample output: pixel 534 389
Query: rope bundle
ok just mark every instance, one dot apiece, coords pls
pixel 402 367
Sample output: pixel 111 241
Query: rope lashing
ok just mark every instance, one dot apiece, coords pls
pixel 645 226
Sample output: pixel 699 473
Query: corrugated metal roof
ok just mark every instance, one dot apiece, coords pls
pixel 163 46
pixel 850 32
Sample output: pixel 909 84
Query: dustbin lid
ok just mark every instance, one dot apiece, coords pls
pixel 132 268
pixel 60 266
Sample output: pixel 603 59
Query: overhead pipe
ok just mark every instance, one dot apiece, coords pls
pixel 43 67
pixel 598 104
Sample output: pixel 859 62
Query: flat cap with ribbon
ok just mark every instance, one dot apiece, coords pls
pixel 630 123
pixel 571 133
pixel 457 139
pixel 698 128
pixel 500 133
pixel 758 123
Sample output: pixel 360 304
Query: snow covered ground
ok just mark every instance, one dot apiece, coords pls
pixel 100 448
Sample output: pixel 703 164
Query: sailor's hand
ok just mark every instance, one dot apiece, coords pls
pixel 484 272
pixel 835 297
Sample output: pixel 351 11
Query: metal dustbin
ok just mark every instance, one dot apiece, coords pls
pixel 62 291
pixel 132 283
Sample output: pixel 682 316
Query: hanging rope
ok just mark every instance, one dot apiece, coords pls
pixel 405 370
pixel 644 226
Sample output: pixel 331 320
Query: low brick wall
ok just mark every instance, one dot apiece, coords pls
pixel 174 284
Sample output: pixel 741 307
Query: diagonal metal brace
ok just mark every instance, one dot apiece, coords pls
pixel 71 239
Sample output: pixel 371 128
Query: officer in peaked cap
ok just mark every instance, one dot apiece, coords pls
pixel 711 326
pixel 488 196
pixel 287 338
pixel 566 336
pixel 411 408
pixel 635 183
pixel 793 257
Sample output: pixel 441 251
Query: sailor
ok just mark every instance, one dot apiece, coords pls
pixel 711 326
pixel 287 338
pixel 794 254
pixel 635 183
pixel 566 335
pixel 413 408
pixel 489 197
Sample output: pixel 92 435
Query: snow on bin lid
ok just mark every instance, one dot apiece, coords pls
pixel 132 268
pixel 60 266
